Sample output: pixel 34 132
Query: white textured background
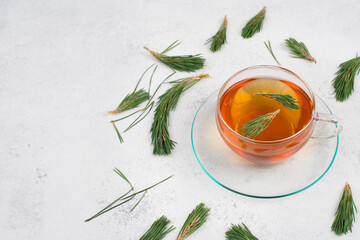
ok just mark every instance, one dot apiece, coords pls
pixel 63 64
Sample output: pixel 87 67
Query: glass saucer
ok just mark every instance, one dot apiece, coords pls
pixel 293 175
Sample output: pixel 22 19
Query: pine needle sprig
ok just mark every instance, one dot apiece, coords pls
pixel 160 137
pixel 254 127
pixel 299 50
pixel 132 100
pixel 284 99
pixel 136 97
pixel 345 213
pixel 183 63
pixel 124 199
pixel 238 232
pixel 268 46
pixel 254 25
pixel 194 221
pixel 343 83
pixel 219 38
pixel 158 230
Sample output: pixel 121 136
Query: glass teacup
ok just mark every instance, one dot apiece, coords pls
pixel 268 152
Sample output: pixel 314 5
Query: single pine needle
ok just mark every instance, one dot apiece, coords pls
pixel 183 63
pixel 345 213
pixel 117 171
pixel 238 232
pixel 284 99
pixel 254 25
pixel 158 230
pixel 219 38
pixel 343 83
pixel 194 221
pixel 124 199
pixel 138 201
pixel 143 115
pixel 268 46
pixel 254 127
pixel 299 50
pixel 118 133
pixel 160 137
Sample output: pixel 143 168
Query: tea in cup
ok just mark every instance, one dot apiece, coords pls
pixel 267 113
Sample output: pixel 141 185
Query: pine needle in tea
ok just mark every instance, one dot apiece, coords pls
pixel 284 99
pixel 345 213
pixel 160 137
pixel 158 230
pixel 343 83
pixel 194 221
pixel 219 38
pixel 183 63
pixel 238 232
pixel 254 127
pixel 299 50
pixel 268 46
pixel 254 25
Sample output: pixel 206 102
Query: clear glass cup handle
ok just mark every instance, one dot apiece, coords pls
pixel 328 118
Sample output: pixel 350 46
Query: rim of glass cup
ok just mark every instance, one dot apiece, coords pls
pixel 268 67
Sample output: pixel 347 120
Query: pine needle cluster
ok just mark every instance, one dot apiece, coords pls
pixel 183 63
pixel 345 213
pixel 194 221
pixel 166 103
pixel 238 232
pixel 219 38
pixel 284 99
pixel 158 230
pixel 299 50
pixel 254 127
pixel 343 83
pixel 254 25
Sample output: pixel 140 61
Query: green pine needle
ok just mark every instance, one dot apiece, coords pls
pixel 345 214
pixel 184 63
pixel 158 230
pixel 138 202
pixel 343 83
pixel 194 221
pixel 254 127
pixel 254 25
pixel 299 50
pixel 284 99
pixel 238 232
pixel 160 137
pixel 268 46
pixel 219 38
pixel 124 199
pixel 118 133
pixel 117 171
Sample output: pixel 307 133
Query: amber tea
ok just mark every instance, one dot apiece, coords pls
pixel 247 99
